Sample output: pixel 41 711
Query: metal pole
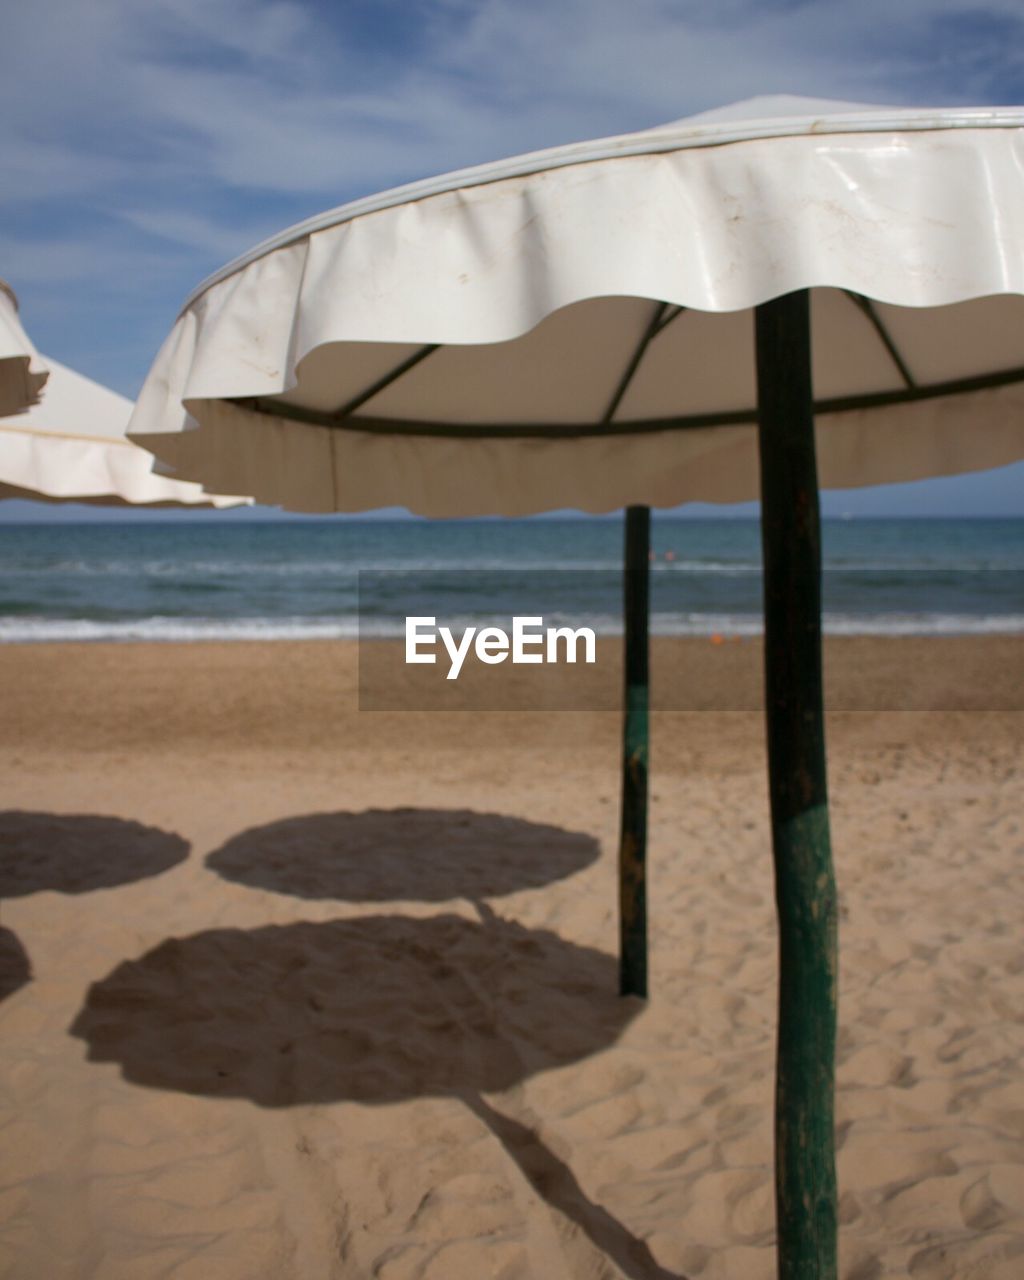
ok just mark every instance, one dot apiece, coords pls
pixel 633 839
pixel 805 1183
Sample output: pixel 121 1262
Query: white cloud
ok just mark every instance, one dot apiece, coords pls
pixel 271 96
pixel 192 230
pixel 100 260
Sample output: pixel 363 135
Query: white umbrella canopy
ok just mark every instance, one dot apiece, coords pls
pixel 22 373
pixel 745 302
pixel 71 447
pixel 572 328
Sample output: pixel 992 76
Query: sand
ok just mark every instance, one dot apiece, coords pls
pixel 292 991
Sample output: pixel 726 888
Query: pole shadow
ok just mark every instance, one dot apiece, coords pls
pixel 373 1010
pixel 77 853
pixel 556 1183
pixel 413 855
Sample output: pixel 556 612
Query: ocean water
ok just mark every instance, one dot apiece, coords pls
pixel 306 579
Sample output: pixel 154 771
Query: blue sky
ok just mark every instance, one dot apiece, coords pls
pixel 147 142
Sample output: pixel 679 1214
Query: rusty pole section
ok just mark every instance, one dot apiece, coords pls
pixel 805 1182
pixel 633 840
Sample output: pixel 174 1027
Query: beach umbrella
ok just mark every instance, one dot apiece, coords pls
pixel 71 446
pixel 628 323
pixel 22 373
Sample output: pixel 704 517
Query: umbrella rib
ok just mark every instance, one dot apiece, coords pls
pixel 868 307
pixel 350 406
pixel 575 431
pixel 634 363
pixel 668 317
pixel 658 322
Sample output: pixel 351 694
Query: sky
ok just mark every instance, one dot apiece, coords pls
pixel 147 142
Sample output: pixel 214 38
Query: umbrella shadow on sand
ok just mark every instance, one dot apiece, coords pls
pixel 412 855
pixel 15 967
pixel 77 853
pixel 375 1010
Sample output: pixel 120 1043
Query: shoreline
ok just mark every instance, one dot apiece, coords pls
pixel 166 630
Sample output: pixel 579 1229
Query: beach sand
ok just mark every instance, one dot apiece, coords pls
pixel 293 991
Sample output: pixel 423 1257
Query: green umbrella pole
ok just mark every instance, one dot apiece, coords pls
pixel 633 840
pixel 805 1182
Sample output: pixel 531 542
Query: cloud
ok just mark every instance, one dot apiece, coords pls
pixel 286 97
pixel 193 230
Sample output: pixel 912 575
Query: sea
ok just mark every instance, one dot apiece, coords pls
pixel 319 579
